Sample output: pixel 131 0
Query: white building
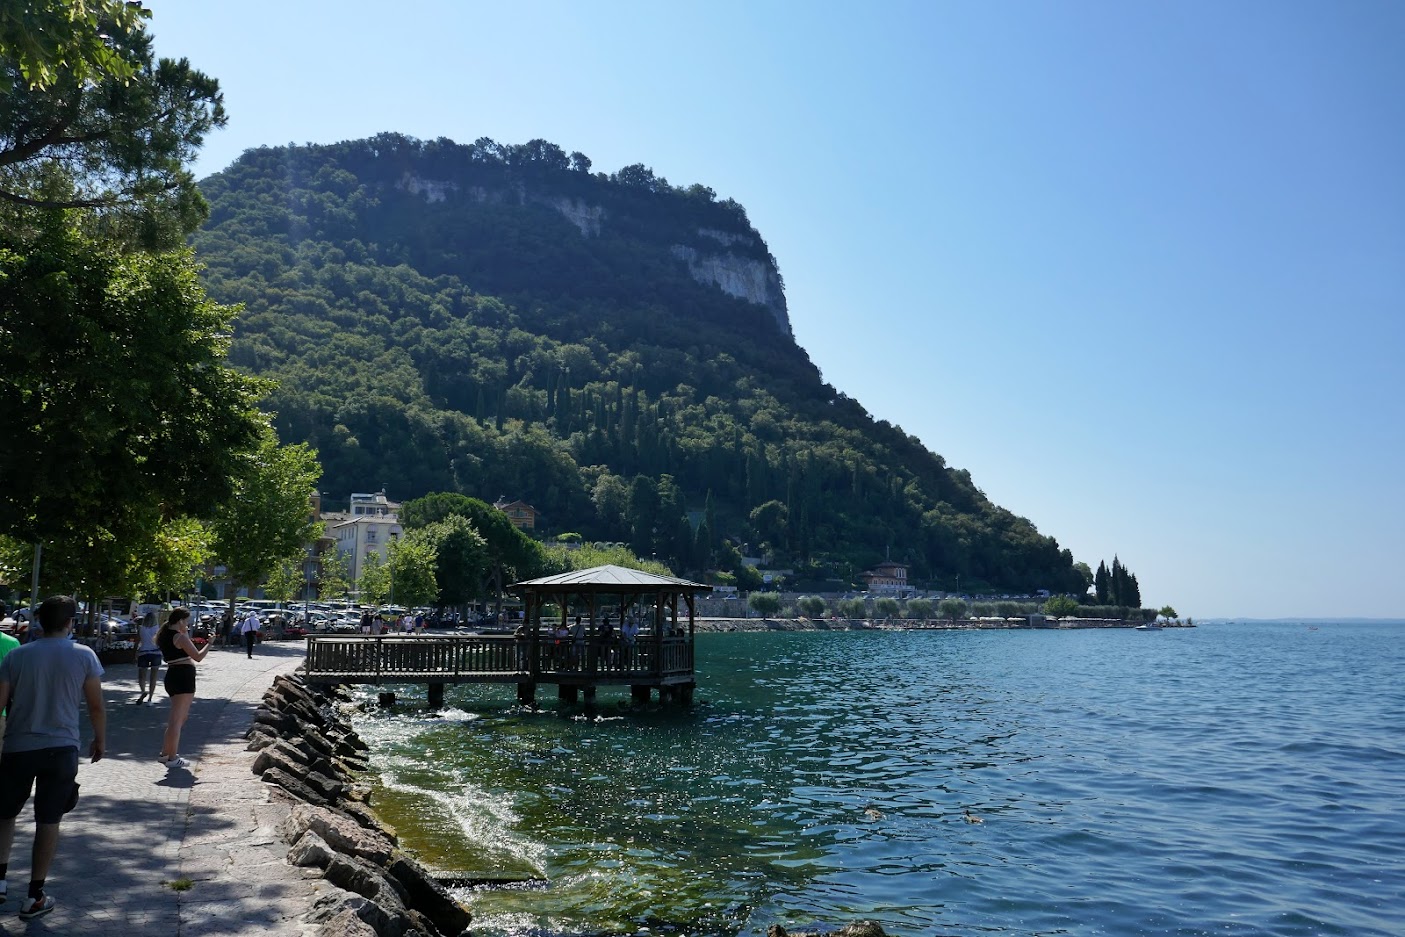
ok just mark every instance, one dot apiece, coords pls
pixel 370 526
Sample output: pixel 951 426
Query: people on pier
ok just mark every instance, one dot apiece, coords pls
pixel 562 640
pixel 578 644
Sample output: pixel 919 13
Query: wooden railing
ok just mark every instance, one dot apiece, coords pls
pixel 490 658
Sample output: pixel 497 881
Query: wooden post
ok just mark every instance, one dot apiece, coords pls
pixel 436 696
pixel 526 693
pixel 567 694
pixel 640 694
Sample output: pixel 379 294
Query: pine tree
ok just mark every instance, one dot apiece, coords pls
pixel 1101 583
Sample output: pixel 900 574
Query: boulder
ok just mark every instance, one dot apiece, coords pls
pixel 295 787
pixel 339 832
pixel 427 895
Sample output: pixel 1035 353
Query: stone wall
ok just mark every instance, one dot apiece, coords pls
pixel 308 751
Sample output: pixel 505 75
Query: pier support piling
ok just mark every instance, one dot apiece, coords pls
pixel 436 696
pixel 526 692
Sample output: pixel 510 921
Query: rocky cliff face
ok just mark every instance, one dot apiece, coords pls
pixel 731 265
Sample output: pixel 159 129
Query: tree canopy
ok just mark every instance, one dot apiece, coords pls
pixel 90 118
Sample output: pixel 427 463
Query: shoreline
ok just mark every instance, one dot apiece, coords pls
pixel 717 625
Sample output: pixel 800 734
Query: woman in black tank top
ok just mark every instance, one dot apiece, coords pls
pixel 180 655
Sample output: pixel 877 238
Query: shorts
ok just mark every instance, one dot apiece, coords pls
pixel 148 659
pixel 180 679
pixel 51 772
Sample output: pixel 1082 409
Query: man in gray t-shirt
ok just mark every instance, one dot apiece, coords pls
pixel 43 683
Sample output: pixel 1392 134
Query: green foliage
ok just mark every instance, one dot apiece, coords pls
pixel 115 387
pixel 411 565
pixel 47 41
pixel 461 559
pixel 92 120
pixel 765 604
pixel 885 607
pixel 335 578
pixel 589 555
pixel 853 608
pixel 268 518
pixel 284 581
pixel 811 606
pixel 1168 612
pixel 919 609
pixel 951 609
pixel 1117 586
pixel 511 554
pixel 374 582
pixel 1060 606
pixel 485 346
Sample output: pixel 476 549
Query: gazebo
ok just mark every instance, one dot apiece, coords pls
pixel 580 647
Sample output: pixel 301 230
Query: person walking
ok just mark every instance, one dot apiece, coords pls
pixel 250 630
pixel 42 683
pixel 148 659
pixel 181 655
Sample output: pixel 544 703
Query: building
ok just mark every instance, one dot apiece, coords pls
pixel 522 514
pixel 370 524
pixel 888 578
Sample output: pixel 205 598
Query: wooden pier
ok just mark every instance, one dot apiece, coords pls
pixel 659 658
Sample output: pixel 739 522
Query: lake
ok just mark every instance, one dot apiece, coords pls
pixel 1235 778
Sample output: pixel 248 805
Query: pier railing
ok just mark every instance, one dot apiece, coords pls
pixel 493 659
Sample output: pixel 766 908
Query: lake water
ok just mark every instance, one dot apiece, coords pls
pixel 1229 779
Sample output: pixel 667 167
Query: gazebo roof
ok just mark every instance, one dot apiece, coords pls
pixel 609 579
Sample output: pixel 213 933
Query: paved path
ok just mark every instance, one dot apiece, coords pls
pixel 139 827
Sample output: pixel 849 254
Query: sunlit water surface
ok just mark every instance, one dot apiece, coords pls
pixel 1228 779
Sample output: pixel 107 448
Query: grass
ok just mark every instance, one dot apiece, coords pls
pixel 181 884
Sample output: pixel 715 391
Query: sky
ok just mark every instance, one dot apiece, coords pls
pixel 1140 268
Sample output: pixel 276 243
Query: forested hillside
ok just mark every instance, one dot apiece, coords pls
pixel 500 321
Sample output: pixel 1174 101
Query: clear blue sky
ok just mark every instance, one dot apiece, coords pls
pixel 1139 267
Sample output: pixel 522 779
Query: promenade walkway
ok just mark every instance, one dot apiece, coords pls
pixel 139 827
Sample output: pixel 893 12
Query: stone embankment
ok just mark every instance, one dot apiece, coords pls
pixel 309 752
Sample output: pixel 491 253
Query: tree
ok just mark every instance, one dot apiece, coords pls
pixel 268 519
pixel 91 119
pixel 764 603
pixel 411 569
pixel 284 581
pixel 334 581
pixel 951 609
pixel 511 553
pixel 1084 574
pixel 115 382
pixel 44 40
pixel 1168 612
pixel 770 521
pixel 811 606
pixel 919 609
pixel 1060 606
pixel 374 583
pixel 855 608
pixel 885 607
pixel 460 558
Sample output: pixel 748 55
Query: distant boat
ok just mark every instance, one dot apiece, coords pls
pixel 1150 626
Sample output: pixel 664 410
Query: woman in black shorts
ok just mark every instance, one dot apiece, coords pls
pixel 180 655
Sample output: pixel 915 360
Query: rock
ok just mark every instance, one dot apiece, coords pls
pixel 346 910
pixel 339 832
pixel 294 786
pixel 311 850
pixel 363 878
pixel 427 895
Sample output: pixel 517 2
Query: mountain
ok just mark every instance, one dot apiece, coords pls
pixel 498 320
